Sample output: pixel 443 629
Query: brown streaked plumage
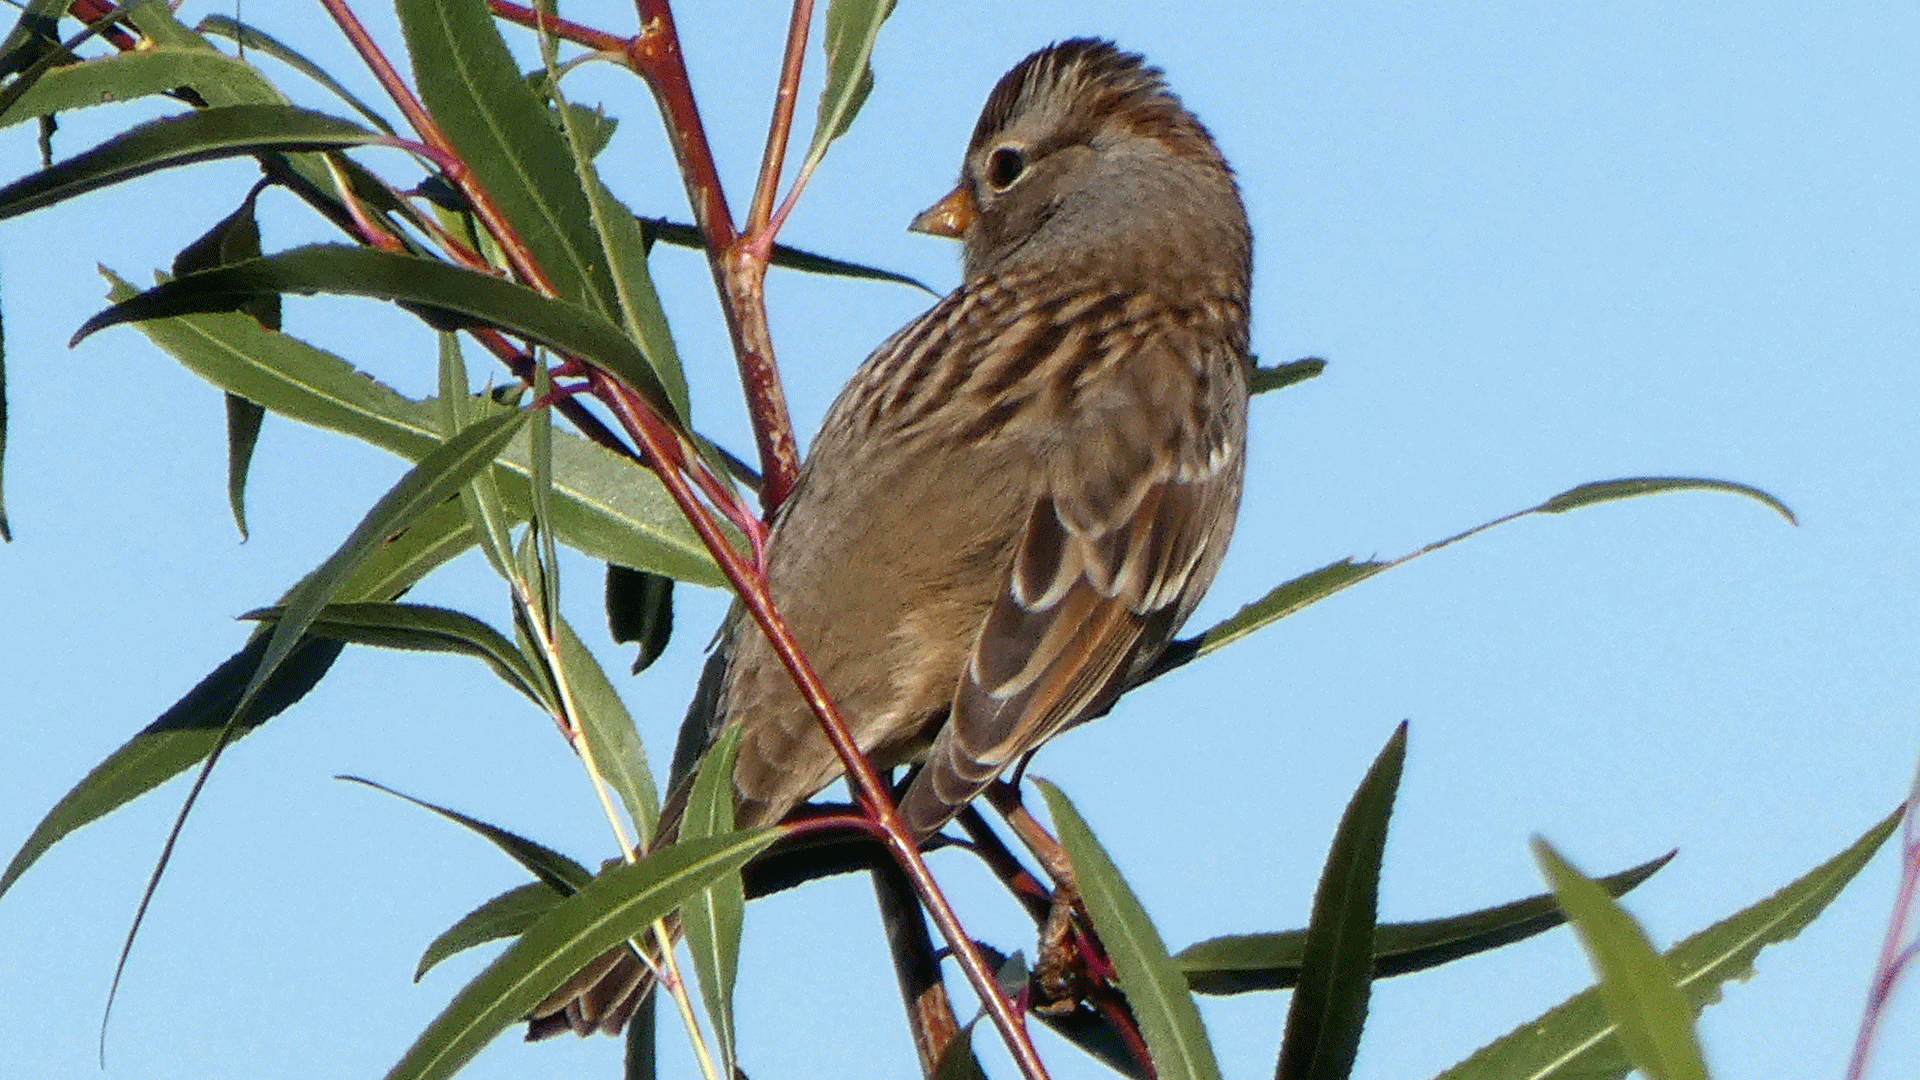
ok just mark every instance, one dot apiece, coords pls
pixel 1021 495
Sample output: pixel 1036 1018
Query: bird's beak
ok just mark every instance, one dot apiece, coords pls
pixel 951 217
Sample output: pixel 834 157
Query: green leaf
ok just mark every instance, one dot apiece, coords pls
pixel 425 628
pixel 714 919
pixel 415 282
pixel 1336 972
pixel 614 907
pixel 243 434
pixel 959 1062
pixel 125 77
pixel 506 915
pixel 611 733
pixel 181 737
pixel 606 507
pixel 1243 963
pixel 205 135
pixel 37 32
pixel 1168 1017
pixel 501 129
pixel 437 478
pixel 852 28
pixel 1280 376
pixel 459 406
pixel 1575 1039
pixel 556 872
pixel 639 611
pixel 683 235
pixel 1652 1020
pixel 6 532
pixel 587 132
pixel 188 731
pixel 1317 585
pixel 252 37
pixel 236 238
pixel 1634 487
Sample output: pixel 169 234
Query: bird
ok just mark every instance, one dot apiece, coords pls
pixel 1020 496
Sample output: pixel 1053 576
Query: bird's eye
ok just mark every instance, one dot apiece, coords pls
pixel 1004 166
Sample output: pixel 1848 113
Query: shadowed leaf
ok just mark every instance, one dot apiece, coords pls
pixel 688 236
pixel 1281 376
pixel 1244 963
pixel 425 628
pixel 449 292
pixel 555 871
pixel 233 131
pixel 1329 1007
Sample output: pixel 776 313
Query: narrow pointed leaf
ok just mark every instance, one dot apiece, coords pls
pixel 1576 1038
pixel 555 870
pixel 243 434
pixel 606 507
pixel 683 235
pixel 1329 1007
pixel 614 907
pixel 504 916
pixel 610 731
pixel 183 735
pixel 1169 1019
pixel 448 290
pixel 233 131
pixel 1312 587
pixel 424 628
pixel 181 738
pixel 473 87
pixel 436 479
pixel 1634 487
pixel 852 28
pixel 6 532
pixel 715 919
pixel 641 1061
pixel 1652 1019
pixel 125 77
pixel 252 37
pixel 1243 963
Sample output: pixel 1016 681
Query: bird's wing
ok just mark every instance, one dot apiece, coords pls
pixel 1114 554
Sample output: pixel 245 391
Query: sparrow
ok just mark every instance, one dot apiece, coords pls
pixel 1018 499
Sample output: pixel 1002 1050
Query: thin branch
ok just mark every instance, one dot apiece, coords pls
pixel 655 55
pixel 779 127
pixel 916 966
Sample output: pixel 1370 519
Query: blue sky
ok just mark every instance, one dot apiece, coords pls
pixel 1539 245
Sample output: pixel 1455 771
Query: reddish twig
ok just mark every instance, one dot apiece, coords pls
pixel 1895 957
pixel 778 129
pixel 655 55
pixel 564 29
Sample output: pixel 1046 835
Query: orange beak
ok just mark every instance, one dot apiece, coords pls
pixel 951 217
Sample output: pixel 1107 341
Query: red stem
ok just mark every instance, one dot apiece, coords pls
pixel 779 128
pixel 739 277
